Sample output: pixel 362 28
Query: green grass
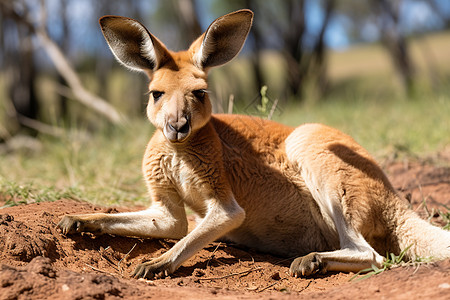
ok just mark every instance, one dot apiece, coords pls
pixel 390 262
pixel 386 127
pixel 104 167
pixel 15 194
pixel 445 216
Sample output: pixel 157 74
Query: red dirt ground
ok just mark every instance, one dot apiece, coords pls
pixel 38 262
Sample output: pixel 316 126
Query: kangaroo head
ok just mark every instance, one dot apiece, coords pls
pixel 179 104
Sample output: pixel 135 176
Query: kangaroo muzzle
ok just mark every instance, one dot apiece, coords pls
pixel 177 130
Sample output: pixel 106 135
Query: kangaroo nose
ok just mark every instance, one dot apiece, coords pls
pixel 180 126
pixel 177 130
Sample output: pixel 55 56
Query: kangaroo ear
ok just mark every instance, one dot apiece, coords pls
pixel 223 39
pixel 133 45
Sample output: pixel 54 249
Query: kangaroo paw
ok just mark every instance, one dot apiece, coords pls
pixel 306 265
pixel 76 224
pixel 153 269
pixel 71 225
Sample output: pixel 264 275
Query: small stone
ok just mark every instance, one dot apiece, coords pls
pixel 198 273
pixel 444 285
pixel 65 288
pixel 276 276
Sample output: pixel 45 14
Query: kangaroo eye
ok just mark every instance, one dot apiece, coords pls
pixel 156 95
pixel 199 94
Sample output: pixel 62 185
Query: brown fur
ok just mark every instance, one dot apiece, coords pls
pixel 310 192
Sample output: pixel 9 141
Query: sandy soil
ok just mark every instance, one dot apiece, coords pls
pixel 38 262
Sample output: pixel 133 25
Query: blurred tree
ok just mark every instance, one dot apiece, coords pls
pixel 385 15
pixel 20 13
pixel 441 9
pixel 293 48
pixel 281 26
pixel 19 66
pixel 294 30
pixel 257 40
pixel 395 41
pixel 187 16
pixel 63 43
pixel 319 67
pixel 304 53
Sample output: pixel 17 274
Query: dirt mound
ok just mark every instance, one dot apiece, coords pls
pixel 38 262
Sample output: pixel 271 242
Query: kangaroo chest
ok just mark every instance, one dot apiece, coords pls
pixel 193 176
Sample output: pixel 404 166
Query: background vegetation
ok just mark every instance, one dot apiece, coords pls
pixel 72 121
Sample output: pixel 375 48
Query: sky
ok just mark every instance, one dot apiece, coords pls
pixel 416 15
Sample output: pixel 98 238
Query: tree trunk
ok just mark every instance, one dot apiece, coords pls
pixel 62 64
pixel 293 47
pixel 395 42
pixel 188 18
pixel 21 75
pixel 257 46
pixel 319 66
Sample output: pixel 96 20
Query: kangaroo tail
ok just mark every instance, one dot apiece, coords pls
pixel 420 239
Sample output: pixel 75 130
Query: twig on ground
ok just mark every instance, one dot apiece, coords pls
pixel 212 254
pixel 271 285
pixel 307 286
pixel 253 260
pixel 102 251
pixel 232 274
pixel 126 255
pixel 286 259
pixel 101 271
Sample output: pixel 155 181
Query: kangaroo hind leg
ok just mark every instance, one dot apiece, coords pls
pixel 355 254
pixel 324 166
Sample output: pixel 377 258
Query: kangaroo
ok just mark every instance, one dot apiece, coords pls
pixel 310 193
